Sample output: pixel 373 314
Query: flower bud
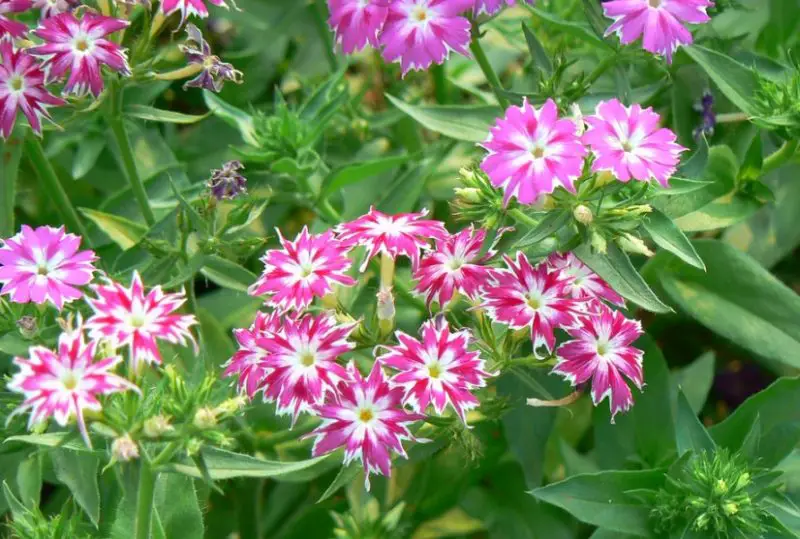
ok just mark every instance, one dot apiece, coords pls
pixel 730 508
pixel 577 116
pixel 720 487
pixel 205 418
pixel 385 310
pixel 193 446
pixel 124 449
pixel 28 327
pixel 598 242
pixel 583 214
pixel 632 244
pixel 157 426
pixel 230 406
pixel 604 178
pixel 468 194
pixel 702 522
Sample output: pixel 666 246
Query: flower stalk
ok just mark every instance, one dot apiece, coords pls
pixel 144 501
pixel 486 67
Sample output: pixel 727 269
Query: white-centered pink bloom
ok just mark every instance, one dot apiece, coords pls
pixel 80 47
pixel 602 351
pixel 490 7
pixel 438 369
pixel 580 281
pixel 65 383
pixel 44 264
pixel 22 89
pixel 248 363
pixel 454 265
pixel 365 416
pixel 524 296
pixel 418 33
pixel 301 361
pixel 532 151
pixel 189 7
pixel 9 27
pixel 308 267
pixel 133 318
pixel 628 142
pixel 357 22
pixel 660 23
pixel 403 234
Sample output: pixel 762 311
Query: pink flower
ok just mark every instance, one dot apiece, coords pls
pixel 602 351
pixel 660 22
pixel 439 369
pixel 80 46
pixel 44 264
pixel 395 235
pixel 366 418
pixel 248 361
pixel 419 33
pixel 9 27
pixel 188 7
pixel 303 269
pixel 301 361
pixel 64 383
pixel 532 151
pixel 490 7
pixel 628 142
pixel 580 281
pixel 454 265
pixel 357 22
pixel 130 317
pixel 50 8
pixel 526 296
pixel 22 88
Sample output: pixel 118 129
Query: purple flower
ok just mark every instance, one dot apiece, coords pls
pixel 214 72
pixel 7 26
pixel 226 183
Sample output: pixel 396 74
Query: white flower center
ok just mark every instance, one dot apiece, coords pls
pixel 389 226
pixel 83 44
pixel 16 83
pixel 603 347
pixel 535 300
pixel 366 414
pixel 307 358
pixel 69 379
pixel 420 15
pixel 455 263
pixel 435 370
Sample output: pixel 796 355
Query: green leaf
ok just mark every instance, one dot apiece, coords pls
pixel 177 508
pixel 617 270
pixel 575 29
pixel 89 151
pixel 63 440
pixel 690 434
pixel 602 499
pixel 227 274
pixel 695 380
pixel 225 465
pixel 404 193
pixel 538 55
pixel 356 172
pixel 461 122
pixel 549 225
pixel 78 471
pixel 122 231
pixel 668 236
pixel 152 114
pixel 232 116
pixel 738 82
pixel 29 479
pixel 10 156
pixel 347 474
pixel 18 509
pixel 721 213
pixel 197 220
pixel 753 160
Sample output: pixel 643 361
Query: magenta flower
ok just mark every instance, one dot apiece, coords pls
pixel 628 142
pixel 22 88
pixel 660 23
pixel 49 8
pixel 357 22
pixel 490 7
pixel 366 418
pixel 439 369
pixel 532 151
pixel 453 266
pixel 580 281
pixel 65 383
pixel 419 33
pixel 130 317
pixel 526 296
pixel 303 269
pixel 80 46
pixel 248 363
pixel 402 234
pixel 9 27
pixel 301 361
pixel 188 7
pixel 602 351
pixel 44 264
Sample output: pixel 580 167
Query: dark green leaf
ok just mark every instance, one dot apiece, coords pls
pixel 225 465
pixel 10 156
pixel 356 172
pixel 197 220
pixel 347 474
pixel 232 116
pixel 462 122
pixel 177 507
pixel 89 149
pixel 549 225
pixel 690 434
pixel 64 440
pixel 152 114
pixel 18 509
pixel 78 471
pixel 227 274
pixel 578 30
pixel 668 236
pixel 738 82
pixel 753 160
pixel 538 55
pixel 29 479
pixel 695 380
pixel 122 231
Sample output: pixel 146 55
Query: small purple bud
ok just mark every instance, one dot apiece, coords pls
pixel 227 183
pixel 214 71
pixel 709 118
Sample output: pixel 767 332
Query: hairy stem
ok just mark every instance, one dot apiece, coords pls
pixel 486 67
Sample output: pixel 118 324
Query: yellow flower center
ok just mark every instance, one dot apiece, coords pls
pixel 366 415
pixel 82 45
pixel 655 3
pixel 307 359
pixel 534 303
pixel 537 153
pixel 434 371
pixel 70 381
pixel 15 83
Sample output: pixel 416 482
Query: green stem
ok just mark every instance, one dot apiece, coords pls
pixel 486 67
pixel 441 88
pixel 780 157
pixel 51 184
pixel 117 124
pixel 601 68
pixel 144 501
pixel 319 11
pixel 523 218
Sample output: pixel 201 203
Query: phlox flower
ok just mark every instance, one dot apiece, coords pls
pixel 213 72
pixel 303 269
pixel 64 383
pixel 402 234
pixel 532 151
pixel 188 7
pixel 365 416
pixel 602 351
pixel 80 47
pixel 490 7
pixel 44 264
pixel 660 23
pixel 628 142
pixel 357 22
pixel 137 319
pixel 418 33
pixel 49 8
pixel 248 363
pixel 580 281
pixel 438 369
pixel 9 27
pixel 535 297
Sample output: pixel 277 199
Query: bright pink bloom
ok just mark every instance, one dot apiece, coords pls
pixel 628 142
pixel 22 88
pixel 659 22
pixel 366 418
pixel 301 361
pixel 395 235
pixel 602 351
pixel 527 296
pixel 64 383
pixel 357 22
pixel 130 317
pixel 50 8
pixel 419 33
pixel 580 281
pixel 438 369
pixel 189 7
pixel 454 265
pixel 248 363
pixel 532 151
pixel 44 264
pixel 490 7
pixel 9 27
pixel 303 269
pixel 80 47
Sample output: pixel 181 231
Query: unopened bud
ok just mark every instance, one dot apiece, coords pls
pixel 28 327
pixel 124 449
pixel 583 214
pixel 157 426
pixel 598 243
pixel 702 521
pixel 230 406
pixel 743 481
pixel 577 116
pixel 730 508
pixel 385 310
pixel 720 487
pixel 205 418
pixel 635 245
pixel 193 446
pixel 467 174
pixel 604 178
pixel 468 194
pixel 544 203
pixel 640 209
